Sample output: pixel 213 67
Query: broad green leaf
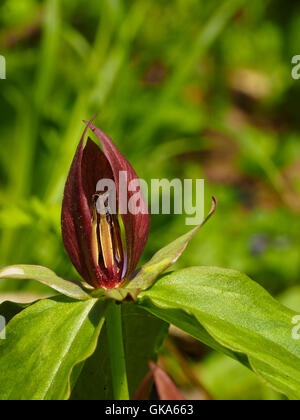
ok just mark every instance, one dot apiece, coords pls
pixel 10 309
pixel 47 277
pixel 94 382
pixel 143 336
pixel 7 311
pixel 240 315
pixel 188 323
pixel 164 258
pixel 44 343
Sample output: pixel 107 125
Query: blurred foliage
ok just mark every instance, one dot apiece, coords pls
pixel 187 89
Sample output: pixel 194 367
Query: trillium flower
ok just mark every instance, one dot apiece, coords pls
pixel 104 257
pixel 93 239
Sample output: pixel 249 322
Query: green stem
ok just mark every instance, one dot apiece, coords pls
pixel 116 352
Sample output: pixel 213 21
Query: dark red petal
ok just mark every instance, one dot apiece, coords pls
pixel 94 167
pixel 136 226
pixel 143 391
pixel 166 388
pixel 88 166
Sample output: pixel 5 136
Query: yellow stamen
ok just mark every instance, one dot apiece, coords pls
pixel 106 241
pixel 106 238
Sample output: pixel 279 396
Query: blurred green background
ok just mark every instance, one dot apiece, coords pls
pixel 187 89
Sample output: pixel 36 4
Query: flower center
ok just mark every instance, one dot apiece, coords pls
pixel 106 240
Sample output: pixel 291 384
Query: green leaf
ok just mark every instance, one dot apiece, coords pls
pixel 121 294
pixel 94 382
pixel 7 311
pixel 47 277
pixel 240 315
pixel 188 323
pixel 143 336
pixel 164 258
pixel 43 345
pixel 10 309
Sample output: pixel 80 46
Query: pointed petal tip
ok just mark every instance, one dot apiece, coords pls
pixel 89 123
pixel 166 388
pixel 94 129
pixel 152 365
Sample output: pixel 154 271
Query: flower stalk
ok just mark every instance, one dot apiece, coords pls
pixel 116 352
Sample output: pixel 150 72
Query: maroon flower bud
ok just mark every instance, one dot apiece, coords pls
pixel 93 239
